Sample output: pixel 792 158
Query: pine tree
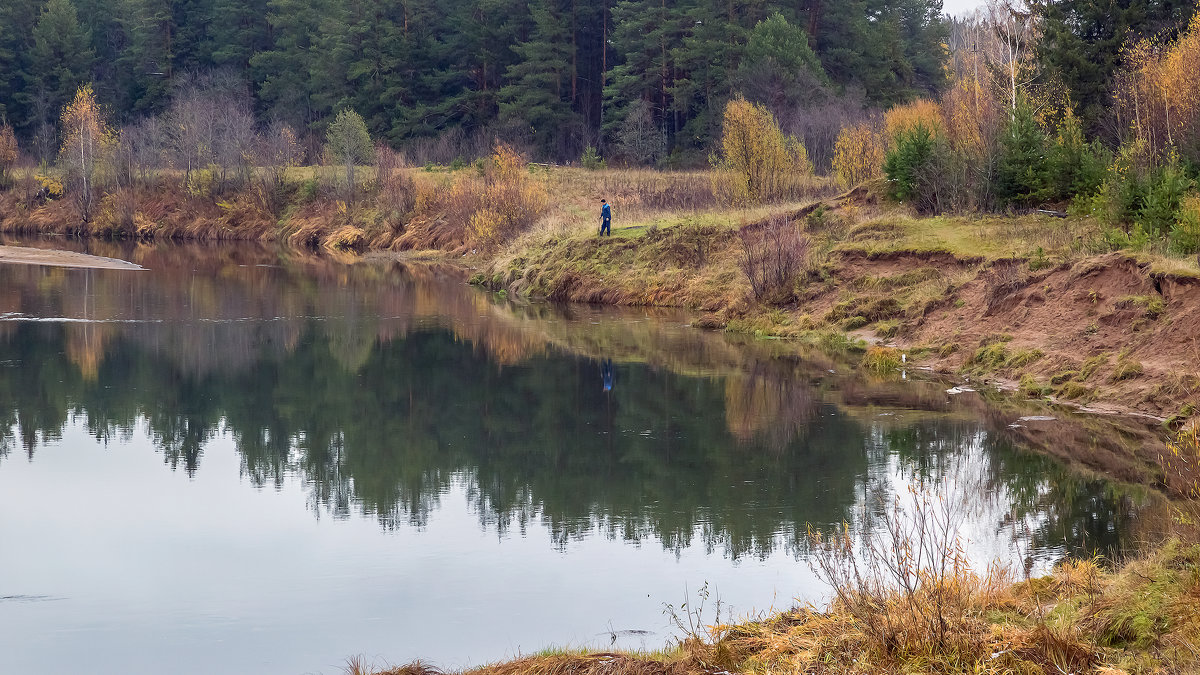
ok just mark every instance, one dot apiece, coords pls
pixel 238 30
pixel 283 72
pixel 62 55
pixel 710 48
pixel 645 33
pixel 146 65
pixel 778 68
pixel 17 19
pixel 538 89
pixel 1022 177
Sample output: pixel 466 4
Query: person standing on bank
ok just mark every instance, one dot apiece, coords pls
pixel 605 219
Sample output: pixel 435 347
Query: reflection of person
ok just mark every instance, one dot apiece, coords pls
pixel 606 374
pixel 605 219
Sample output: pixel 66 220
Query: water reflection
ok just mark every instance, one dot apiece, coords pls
pixel 383 387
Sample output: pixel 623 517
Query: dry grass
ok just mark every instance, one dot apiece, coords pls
pixel 1139 619
pixel 554 664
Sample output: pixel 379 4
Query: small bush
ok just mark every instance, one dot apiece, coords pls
pixel 992 356
pixel 886 330
pixel 1024 357
pixel 1184 237
pixel 591 159
pixel 1153 306
pixel 1091 365
pixel 882 359
pixel 758 162
pixel 833 342
pixel 511 200
pixel 907 587
pixel 1030 387
pixel 858 154
pixel 773 254
pixel 1063 376
pixel 9 152
pixel 855 322
pixel 1073 391
pixel 912 166
pixel 1126 370
pixel 396 191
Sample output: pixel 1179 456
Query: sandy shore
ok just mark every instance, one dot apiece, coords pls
pixel 36 256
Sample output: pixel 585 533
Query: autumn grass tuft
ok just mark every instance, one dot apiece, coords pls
pixel 882 359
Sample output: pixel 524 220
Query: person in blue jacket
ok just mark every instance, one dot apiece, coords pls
pixel 605 219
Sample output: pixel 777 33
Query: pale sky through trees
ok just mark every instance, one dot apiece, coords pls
pixel 960 7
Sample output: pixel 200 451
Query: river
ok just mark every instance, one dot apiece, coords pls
pixel 254 460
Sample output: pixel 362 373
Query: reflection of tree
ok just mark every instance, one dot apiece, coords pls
pixel 539 441
pixel 381 386
pixel 1041 501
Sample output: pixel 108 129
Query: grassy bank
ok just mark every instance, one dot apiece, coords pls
pixel 1139 619
pixel 1033 303
pixel 1036 304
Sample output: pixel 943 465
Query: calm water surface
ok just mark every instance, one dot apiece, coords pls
pixel 250 461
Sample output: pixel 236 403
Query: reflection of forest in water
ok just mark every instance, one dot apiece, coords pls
pixel 382 386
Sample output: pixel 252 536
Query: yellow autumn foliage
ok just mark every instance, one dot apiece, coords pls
pixel 905 117
pixel 511 200
pixel 52 185
pixel 757 160
pixel 87 139
pixel 8 151
pixel 858 154
pixel 1158 94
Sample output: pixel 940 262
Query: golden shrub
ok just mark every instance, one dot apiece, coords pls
pixel 52 185
pixel 858 154
pixel 905 117
pixel 484 225
pixel 8 150
pixel 758 161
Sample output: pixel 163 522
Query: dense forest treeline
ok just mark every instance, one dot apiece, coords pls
pixel 1023 104
pixel 556 74
pixel 636 77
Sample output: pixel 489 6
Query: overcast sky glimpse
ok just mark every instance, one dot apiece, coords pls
pixel 959 7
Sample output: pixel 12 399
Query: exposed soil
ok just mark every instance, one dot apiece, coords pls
pixel 1109 309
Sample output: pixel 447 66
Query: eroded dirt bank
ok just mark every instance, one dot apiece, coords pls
pixel 1105 332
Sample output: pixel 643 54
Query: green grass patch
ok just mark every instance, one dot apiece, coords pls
pixel 886 330
pixel 1024 357
pixel 1185 412
pixel 1152 306
pixel 1031 388
pixel 1073 391
pixel 1091 365
pixel 1126 370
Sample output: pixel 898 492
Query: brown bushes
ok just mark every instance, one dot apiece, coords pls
pixel 395 189
pixel 511 200
pixel 1181 464
pixel 480 210
pixel 773 254
pixel 909 588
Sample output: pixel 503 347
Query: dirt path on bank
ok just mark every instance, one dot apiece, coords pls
pixel 21 255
